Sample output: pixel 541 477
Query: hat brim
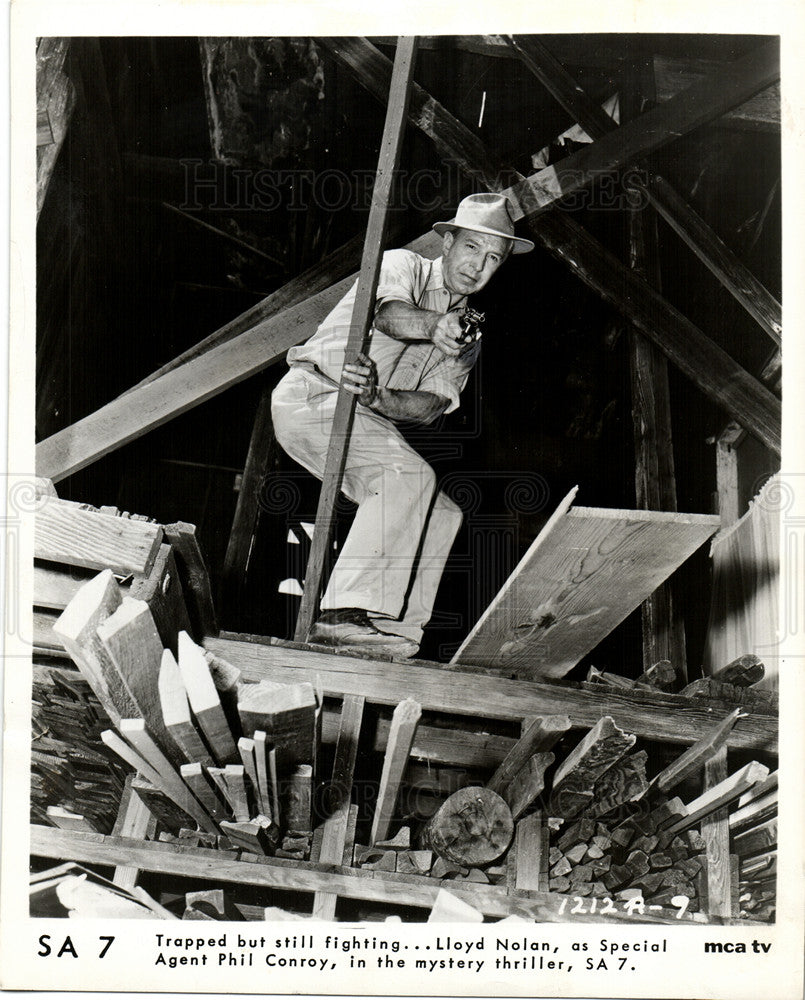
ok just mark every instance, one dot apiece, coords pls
pixel 520 245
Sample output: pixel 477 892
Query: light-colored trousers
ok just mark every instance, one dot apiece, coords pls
pixel 392 560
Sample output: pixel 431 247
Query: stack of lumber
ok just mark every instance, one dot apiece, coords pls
pixel 75 782
pixel 160 564
pixel 753 839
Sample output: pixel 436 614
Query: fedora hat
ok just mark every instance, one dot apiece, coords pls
pixel 485 213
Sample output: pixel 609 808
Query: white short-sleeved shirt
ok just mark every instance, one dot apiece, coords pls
pixel 401 364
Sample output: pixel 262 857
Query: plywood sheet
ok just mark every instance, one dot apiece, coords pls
pixel 586 571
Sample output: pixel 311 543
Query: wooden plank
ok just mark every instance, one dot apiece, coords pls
pixel 236 792
pixel 205 702
pixel 401 736
pixel 339 790
pixel 205 790
pixel 287 715
pixel 591 566
pixel 527 783
pixel 136 733
pixel 575 778
pixel 721 793
pixel 759 838
pixel 268 795
pixel 716 834
pixel 194 577
pixel 360 329
pixel 540 735
pixel 379 887
pixel 695 757
pixel 55 584
pixel 66 819
pixel 77 629
pixel 131 640
pixel 67 534
pixel 133 820
pixel 757 811
pixel 246 751
pixel 55 97
pixel 176 712
pixel 647 714
pixel 162 592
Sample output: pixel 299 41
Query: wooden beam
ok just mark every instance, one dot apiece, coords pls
pixel 401 736
pixel 699 104
pixel 527 783
pixel 541 734
pixel 338 798
pixel 710 368
pixel 176 712
pixel 55 98
pixel 718 258
pixel 205 702
pixel 133 645
pixel 440 688
pixel 67 534
pixel 695 757
pixel 588 565
pixel 133 820
pixel 276 873
pixel 721 793
pixel 194 577
pixel 575 778
pixel 716 834
pixel 360 329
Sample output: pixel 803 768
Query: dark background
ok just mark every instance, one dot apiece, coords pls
pixel 125 284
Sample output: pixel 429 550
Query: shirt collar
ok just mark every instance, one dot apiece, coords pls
pixel 435 282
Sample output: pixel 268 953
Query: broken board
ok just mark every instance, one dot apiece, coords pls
pixel 585 572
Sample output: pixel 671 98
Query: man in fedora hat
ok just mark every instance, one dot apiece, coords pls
pixel 382 588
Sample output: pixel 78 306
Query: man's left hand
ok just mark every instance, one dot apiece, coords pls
pixel 361 379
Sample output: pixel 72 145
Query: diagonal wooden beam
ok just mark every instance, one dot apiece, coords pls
pixel 703 361
pixel 686 223
pixel 191 384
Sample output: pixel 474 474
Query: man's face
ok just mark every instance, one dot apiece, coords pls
pixel 470 259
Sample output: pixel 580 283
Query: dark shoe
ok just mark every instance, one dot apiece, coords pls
pixel 351 629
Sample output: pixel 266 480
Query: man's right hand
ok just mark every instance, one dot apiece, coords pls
pixel 446 334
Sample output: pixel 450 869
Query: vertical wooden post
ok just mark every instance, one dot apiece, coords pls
pixel 655 486
pixel 391 144
pixel 716 833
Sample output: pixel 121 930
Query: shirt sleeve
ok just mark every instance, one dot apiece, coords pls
pixel 448 376
pixel 399 279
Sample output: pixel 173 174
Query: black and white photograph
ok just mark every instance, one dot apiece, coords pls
pixel 405 532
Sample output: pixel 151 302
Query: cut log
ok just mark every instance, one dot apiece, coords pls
pixel 575 778
pixel 133 645
pixel 473 827
pixel 287 715
pixel 586 565
pixel 205 702
pixel 527 784
pixel 77 537
pixel 540 735
pixel 401 735
pixel 176 712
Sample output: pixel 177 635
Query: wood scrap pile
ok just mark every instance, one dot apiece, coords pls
pixel 753 839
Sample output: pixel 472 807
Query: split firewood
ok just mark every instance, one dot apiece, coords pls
pixel 576 776
pixel 661 676
pixel 414 862
pixel 624 782
pixel 593 853
pixel 559 883
pixel 473 875
pixel 638 863
pixel 644 843
pixel 669 813
pixel 443 868
pixel 562 867
pixel 581 873
pixel 581 831
pixel 473 827
pixel 659 860
pixel 259 835
pixel 581 888
pixel 627 894
pixel 652 882
pixel 401 841
pixel 577 853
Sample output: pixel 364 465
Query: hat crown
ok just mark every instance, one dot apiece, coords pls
pixel 487 211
